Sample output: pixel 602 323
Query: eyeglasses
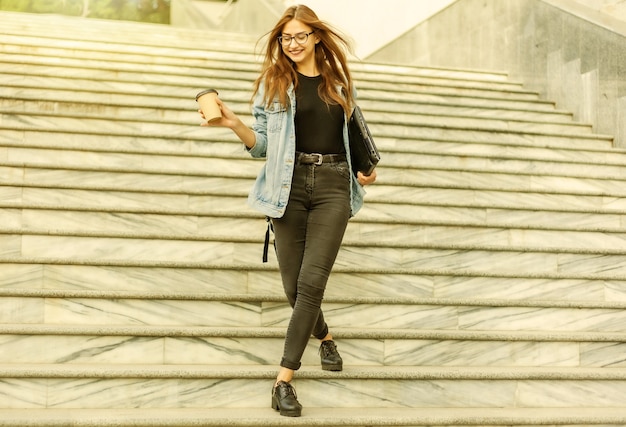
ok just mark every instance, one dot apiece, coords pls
pixel 300 38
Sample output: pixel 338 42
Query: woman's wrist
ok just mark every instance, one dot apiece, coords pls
pixel 244 133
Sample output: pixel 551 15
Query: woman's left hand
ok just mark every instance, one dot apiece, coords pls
pixel 366 179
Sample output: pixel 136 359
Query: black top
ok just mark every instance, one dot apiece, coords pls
pixel 319 126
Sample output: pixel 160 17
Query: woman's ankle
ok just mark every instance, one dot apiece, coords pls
pixel 328 337
pixel 285 374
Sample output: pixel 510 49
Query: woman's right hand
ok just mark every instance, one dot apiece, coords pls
pixel 228 119
pixel 233 122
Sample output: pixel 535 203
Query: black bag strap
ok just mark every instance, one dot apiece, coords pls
pixel 270 227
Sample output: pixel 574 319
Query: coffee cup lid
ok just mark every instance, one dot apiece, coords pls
pixel 204 92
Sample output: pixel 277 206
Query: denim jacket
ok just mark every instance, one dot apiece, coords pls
pixel 275 133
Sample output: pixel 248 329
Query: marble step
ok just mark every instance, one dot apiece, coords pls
pixel 581 174
pixel 223 144
pixel 187 345
pixel 485 197
pixel 20 50
pixel 116 157
pixel 232 184
pixel 261 311
pixel 57 27
pixel 100 72
pixel 190 165
pixel 154 123
pixel 529 135
pixel 448 73
pixel 460 107
pixel 328 417
pixel 219 145
pixel 150 192
pixel 227 47
pixel 116 215
pixel 160 278
pixel 159 173
pixel 408 98
pixel 540 184
pixel 451 90
pixel 512 165
pixel 478 123
pixel 108 66
pixel 593 147
pixel 158 112
pixel 162 101
pixel 142 200
pixel 474 215
pixel 136 37
pixel 192 131
pixel 522 182
pixel 193 386
pixel 238 93
pixel 506 209
pixel 493 151
pixel 19 91
pixel 218 76
pixel 427 259
pixel 223 158
pixel 237 227
pixel 368 78
pixel 237 78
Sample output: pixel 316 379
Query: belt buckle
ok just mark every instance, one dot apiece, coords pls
pixel 320 158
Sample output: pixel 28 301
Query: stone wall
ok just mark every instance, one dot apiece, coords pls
pixel 252 17
pixel 570 54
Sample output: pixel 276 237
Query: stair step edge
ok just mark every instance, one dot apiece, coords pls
pixel 310 372
pixel 362 218
pixel 125 263
pixel 313 417
pixel 347 243
pixel 332 299
pixel 339 332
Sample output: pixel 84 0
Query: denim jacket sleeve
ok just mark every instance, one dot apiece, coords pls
pixel 357 192
pixel 274 130
pixel 260 126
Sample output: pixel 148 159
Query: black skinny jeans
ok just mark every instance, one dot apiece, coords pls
pixel 307 239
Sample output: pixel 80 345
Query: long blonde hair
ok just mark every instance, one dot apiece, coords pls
pixel 279 72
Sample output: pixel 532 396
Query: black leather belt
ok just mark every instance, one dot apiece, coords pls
pixel 318 159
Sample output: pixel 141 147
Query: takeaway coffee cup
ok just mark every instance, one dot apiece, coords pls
pixel 208 105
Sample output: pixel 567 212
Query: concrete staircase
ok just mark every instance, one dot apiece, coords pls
pixel 484 282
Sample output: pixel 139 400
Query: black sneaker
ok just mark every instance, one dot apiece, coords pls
pixel 285 400
pixel 331 360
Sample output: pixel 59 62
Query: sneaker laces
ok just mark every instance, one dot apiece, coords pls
pixel 288 388
pixel 327 348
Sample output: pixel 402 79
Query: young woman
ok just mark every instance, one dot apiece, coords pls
pixel 301 103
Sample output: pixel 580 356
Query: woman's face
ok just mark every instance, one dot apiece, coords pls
pixel 299 52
